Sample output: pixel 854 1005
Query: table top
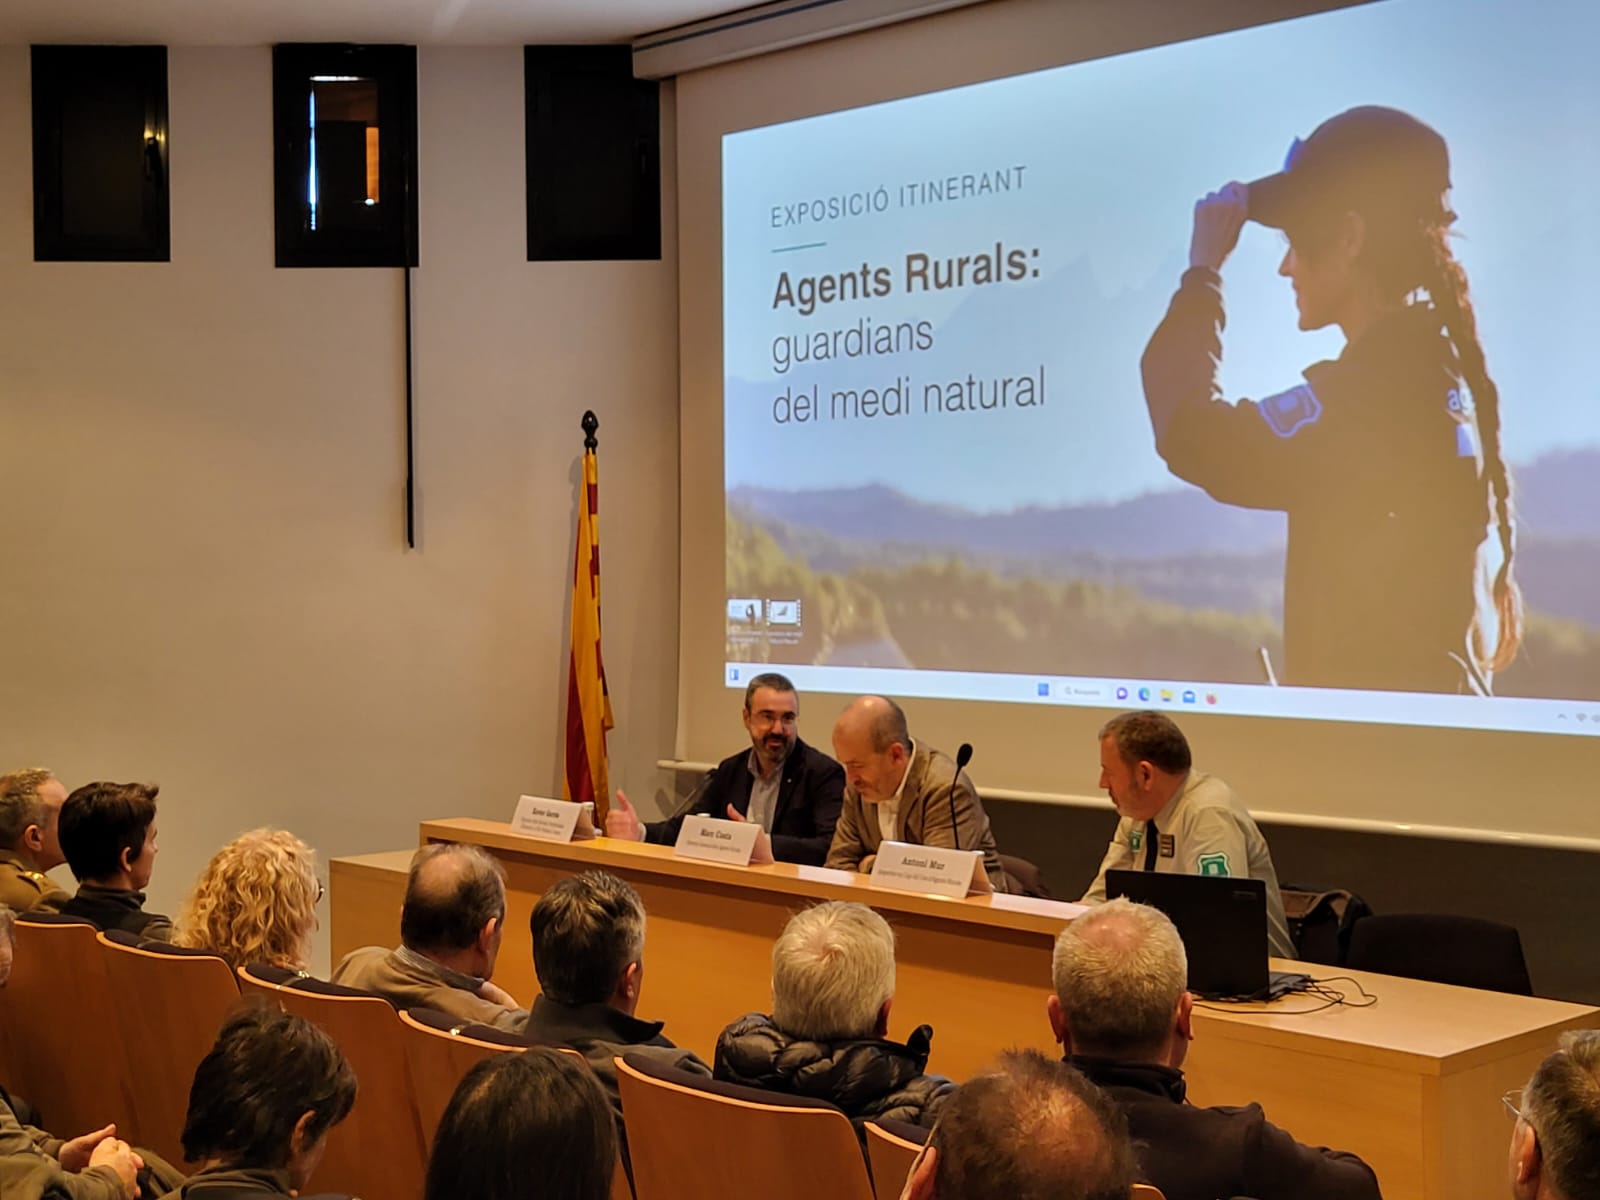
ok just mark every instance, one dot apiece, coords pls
pixel 820 883
pixel 1428 1027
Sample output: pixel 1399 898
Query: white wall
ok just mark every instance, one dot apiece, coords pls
pixel 202 463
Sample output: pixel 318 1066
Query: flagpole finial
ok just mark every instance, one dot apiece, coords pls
pixel 590 424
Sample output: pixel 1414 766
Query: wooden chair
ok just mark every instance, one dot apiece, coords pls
pixel 170 1004
pixel 66 1052
pixel 890 1156
pixel 1145 1191
pixel 785 1148
pixel 440 1050
pixel 377 1151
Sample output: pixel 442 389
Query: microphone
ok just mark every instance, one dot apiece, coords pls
pixel 694 796
pixel 963 757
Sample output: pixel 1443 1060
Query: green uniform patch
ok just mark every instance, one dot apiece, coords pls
pixel 1214 864
pixel 1135 840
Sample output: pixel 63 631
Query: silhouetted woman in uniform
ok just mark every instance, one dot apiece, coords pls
pixel 1387 459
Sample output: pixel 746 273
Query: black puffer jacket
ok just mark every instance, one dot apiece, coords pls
pixel 867 1077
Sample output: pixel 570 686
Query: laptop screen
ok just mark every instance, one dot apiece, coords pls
pixel 1222 921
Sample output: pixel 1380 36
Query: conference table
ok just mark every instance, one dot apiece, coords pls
pixel 1411 1083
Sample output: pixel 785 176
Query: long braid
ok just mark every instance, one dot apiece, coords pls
pixel 1447 285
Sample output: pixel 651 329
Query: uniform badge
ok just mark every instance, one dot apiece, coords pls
pixel 1135 840
pixel 1287 413
pixel 1215 864
pixel 1169 846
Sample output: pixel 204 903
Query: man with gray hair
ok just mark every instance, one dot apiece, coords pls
pixel 827 1037
pixel 899 790
pixel 588 952
pixel 1026 1129
pixel 1122 1014
pixel 451 924
pixel 30 843
pixel 1555 1143
pixel 1177 820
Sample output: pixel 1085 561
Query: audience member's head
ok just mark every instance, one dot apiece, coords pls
pixel 108 834
pixel 255 902
pixel 1555 1145
pixel 30 811
pixel 1030 1129
pixel 455 907
pixel 1120 975
pixel 1143 760
pixel 266 1095
pixel 873 744
pixel 519 1118
pixel 833 973
pixel 8 932
pixel 588 941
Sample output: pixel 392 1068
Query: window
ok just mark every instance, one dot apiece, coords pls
pixel 100 154
pixel 345 155
pixel 593 155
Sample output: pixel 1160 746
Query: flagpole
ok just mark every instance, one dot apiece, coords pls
pixel 586 772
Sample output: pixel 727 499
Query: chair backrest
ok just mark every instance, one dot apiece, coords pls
pixel 1441 948
pixel 439 1059
pixel 66 1053
pixel 1145 1191
pixel 377 1150
pixel 1321 921
pixel 797 1150
pixel 890 1157
pixel 169 1008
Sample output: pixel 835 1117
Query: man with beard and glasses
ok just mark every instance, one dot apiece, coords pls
pixel 790 789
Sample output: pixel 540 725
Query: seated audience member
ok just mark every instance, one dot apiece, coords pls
pixel 96 1166
pixel 262 1103
pixel 255 902
pixel 1029 1129
pixel 451 923
pixel 1177 820
pixel 525 1125
pixel 30 807
pixel 1122 1014
pixel 790 789
pixel 1555 1143
pixel 588 952
pixel 827 1037
pixel 108 834
pixel 899 791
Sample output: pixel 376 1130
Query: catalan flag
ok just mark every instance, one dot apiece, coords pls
pixel 588 701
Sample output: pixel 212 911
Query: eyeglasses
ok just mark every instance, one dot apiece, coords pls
pixel 1513 1102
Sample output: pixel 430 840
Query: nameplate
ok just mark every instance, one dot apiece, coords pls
pixel 551 820
pixel 930 870
pixel 717 841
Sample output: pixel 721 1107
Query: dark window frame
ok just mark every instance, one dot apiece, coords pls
pixel 54 70
pixel 394 69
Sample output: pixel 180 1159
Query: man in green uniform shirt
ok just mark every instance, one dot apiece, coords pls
pixel 30 803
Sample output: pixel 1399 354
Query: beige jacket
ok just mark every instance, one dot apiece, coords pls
pixel 923 819
pixel 407 980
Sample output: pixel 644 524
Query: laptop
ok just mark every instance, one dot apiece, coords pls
pixel 1223 924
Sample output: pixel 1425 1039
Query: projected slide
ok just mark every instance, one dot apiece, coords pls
pixel 1252 374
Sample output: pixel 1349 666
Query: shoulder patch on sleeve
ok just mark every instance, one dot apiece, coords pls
pixel 1287 413
pixel 1214 864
